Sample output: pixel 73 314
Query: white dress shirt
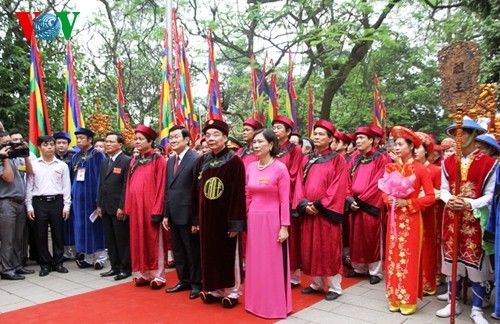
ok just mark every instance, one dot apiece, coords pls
pixel 49 178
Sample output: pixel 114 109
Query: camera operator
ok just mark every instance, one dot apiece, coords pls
pixel 12 211
pixel 29 250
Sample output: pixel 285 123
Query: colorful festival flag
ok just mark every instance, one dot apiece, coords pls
pixel 166 100
pixel 214 110
pixel 310 113
pixel 378 106
pixel 121 99
pixel 73 117
pixel 258 90
pixel 39 123
pixel 273 107
pixel 291 95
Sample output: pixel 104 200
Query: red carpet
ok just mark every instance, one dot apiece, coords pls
pixel 126 303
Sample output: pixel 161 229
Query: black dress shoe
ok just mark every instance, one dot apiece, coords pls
pixel 60 268
pixel 354 274
pixel 83 264
pixel 43 272
pixel 112 272
pixel 23 271
pixel 310 290
pixel 178 287
pixel 374 280
pixel 331 295
pixel 194 294
pixel 15 276
pixel 229 302
pixel 122 275
pixel 208 298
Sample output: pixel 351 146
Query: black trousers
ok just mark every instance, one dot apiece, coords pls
pixel 49 212
pixel 117 234
pixel 186 248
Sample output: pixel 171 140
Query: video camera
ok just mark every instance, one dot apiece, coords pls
pixel 16 150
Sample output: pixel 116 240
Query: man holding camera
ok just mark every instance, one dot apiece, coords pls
pixel 12 210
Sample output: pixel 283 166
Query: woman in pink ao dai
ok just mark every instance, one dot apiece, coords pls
pixel 267 280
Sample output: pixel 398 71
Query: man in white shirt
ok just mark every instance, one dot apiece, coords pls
pixel 48 201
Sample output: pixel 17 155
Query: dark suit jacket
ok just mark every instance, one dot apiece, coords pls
pixel 112 184
pixel 178 193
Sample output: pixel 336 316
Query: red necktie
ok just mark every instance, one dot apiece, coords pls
pixel 176 165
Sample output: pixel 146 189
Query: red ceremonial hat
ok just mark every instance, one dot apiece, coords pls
pixel 284 120
pixel 217 124
pixel 203 139
pixel 406 133
pixel 352 137
pixel 377 130
pixel 326 125
pixel 343 137
pixel 145 130
pixel 365 130
pixel 255 124
pixel 426 139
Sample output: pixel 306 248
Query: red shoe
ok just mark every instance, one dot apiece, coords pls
pixel 156 284
pixel 171 264
pixel 140 282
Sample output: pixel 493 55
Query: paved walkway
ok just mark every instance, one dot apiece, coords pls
pixel 361 303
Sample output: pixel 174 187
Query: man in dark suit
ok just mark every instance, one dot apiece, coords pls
pixel 178 217
pixel 113 176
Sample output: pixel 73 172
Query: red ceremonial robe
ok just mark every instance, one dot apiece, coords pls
pixel 325 185
pixel 404 245
pixel 144 197
pixel 246 155
pixel 470 249
pixel 429 256
pixel 291 155
pixel 221 208
pixel 366 239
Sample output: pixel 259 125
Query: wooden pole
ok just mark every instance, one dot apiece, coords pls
pixel 456 214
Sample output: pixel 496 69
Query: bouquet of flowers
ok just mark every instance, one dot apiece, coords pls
pixel 397 182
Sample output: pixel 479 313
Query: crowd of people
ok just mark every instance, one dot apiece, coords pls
pixel 379 204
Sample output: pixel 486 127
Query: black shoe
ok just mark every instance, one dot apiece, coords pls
pixel 374 280
pixel 43 272
pixel 83 264
pixel 331 295
pixel 310 290
pixel 195 293
pixel 24 271
pixel 178 287
pixel 354 274
pixel 99 265
pixel 60 268
pixel 229 302
pixel 122 275
pixel 15 276
pixel 209 299
pixel 112 272
pixel 295 285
